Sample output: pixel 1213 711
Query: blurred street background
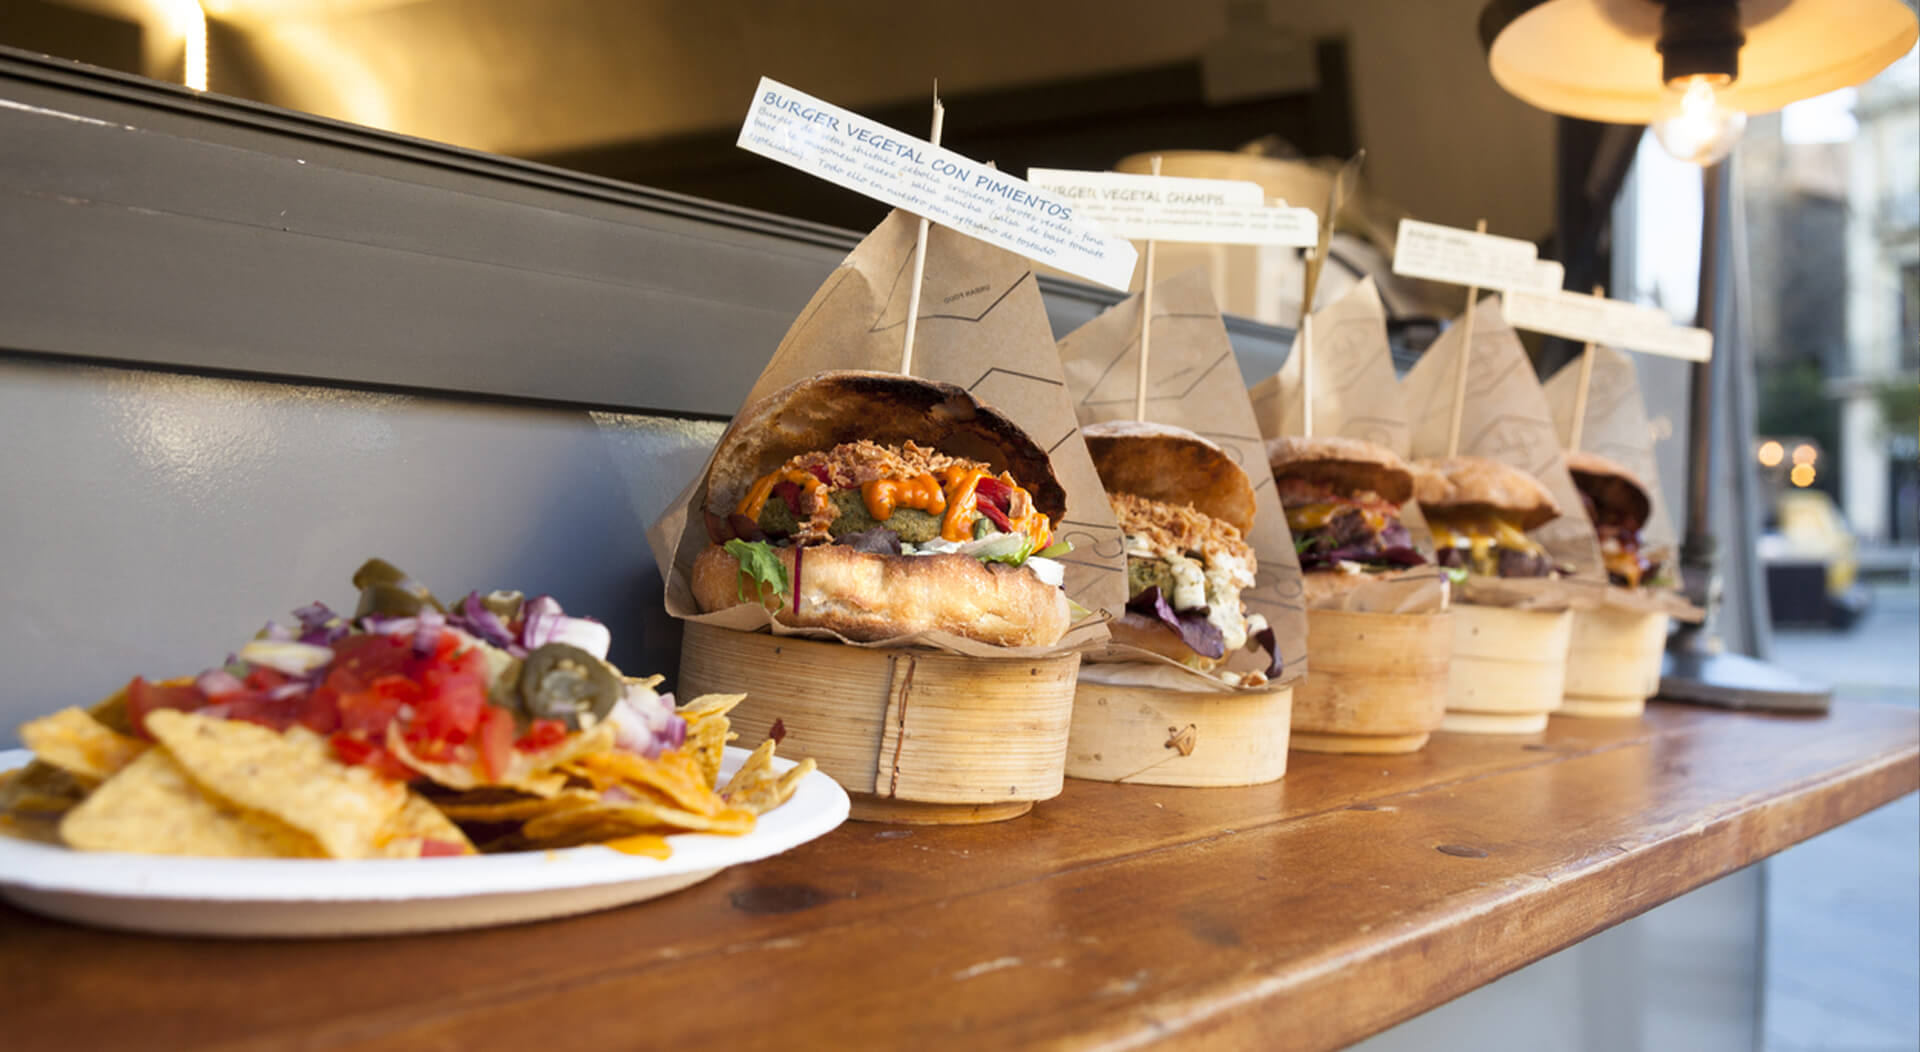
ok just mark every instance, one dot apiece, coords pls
pixel 1842 971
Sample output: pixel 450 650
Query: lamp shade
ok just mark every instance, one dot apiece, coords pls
pixel 1595 59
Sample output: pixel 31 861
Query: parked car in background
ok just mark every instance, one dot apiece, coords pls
pixel 1812 562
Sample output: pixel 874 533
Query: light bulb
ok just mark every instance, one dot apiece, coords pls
pixel 1694 124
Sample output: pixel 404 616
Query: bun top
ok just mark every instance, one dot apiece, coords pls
pixel 830 408
pixel 1610 485
pixel 1173 466
pixel 1475 484
pixel 1345 463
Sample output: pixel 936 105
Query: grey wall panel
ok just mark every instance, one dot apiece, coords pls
pixel 151 522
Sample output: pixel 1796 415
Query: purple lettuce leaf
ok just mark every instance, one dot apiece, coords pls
pixel 1199 634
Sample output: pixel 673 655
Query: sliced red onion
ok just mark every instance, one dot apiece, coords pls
pixel 295 689
pixel 218 682
pixel 476 620
pixel 427 636
pixel 319 624
pixel 546 623
pixel 387 625
pixel 278 633
pixel 645 723
pixel 294 659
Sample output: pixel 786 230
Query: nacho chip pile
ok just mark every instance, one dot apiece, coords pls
pixel 223 788
pixel 436 741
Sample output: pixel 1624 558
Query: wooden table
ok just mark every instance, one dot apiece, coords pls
pixel 1353 894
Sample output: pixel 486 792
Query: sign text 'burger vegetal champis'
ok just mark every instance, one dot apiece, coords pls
pixel 1178 208
pixel 945 187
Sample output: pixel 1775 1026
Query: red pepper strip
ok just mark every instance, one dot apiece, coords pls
pixel 996 492
pixel 820 472
pixel 789 492
pixel 999 517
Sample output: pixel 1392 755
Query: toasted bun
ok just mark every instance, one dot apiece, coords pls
pixel 1161 640
pixel 1348 464
pixel 1477 484
pixel 1610 485
pixel 830 408
pixel 1173 466
pixel 867 597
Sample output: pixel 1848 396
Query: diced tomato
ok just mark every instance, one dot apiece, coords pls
pixel 496 742
pixel 354 748
pixel 820 472
pixel 360 659
pixel 431 848
pixel 263 679
pixel 321 711
pixel 542 734
pixel 144 697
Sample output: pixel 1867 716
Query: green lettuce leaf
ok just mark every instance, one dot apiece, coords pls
pixel 759 566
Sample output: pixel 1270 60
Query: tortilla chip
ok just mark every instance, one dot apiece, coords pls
pixel 292 777
pixel 708 705
pixel 40 788
pixel 530 772
pixel 675 776
pixel 762 790
pixel 153 808
pixel 494 805
pixel 79 744
pixel 647 683
pixel 414 824
pixel 707 745
pixel 635 816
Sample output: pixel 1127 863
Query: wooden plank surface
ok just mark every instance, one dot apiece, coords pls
pixel 1353 894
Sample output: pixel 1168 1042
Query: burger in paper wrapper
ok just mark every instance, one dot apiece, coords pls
pixel 1343 498
pixel 877 505
pixel 1479 511
pixel 1184 507
pixel 1619 505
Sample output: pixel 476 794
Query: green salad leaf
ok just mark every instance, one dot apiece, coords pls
pixel 759 566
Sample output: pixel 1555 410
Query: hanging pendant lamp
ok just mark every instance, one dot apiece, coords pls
pixel 1691 68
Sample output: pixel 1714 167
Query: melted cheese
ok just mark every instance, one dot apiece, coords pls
pixel 1626 564
pixel 1313 516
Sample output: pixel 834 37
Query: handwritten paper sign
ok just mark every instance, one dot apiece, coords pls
pixel 1610 323
pixel 1464 257
pixel 912 174
pixel 1175 208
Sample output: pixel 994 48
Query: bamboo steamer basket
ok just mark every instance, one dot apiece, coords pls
pixel 1613 662
pixel 1155 736
pixel 1378 683
pixel 1509 669
pixel 914 736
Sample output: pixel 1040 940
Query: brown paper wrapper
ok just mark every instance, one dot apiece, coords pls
pixel 1355 390
pixel 982 327
pixel 1617 427
pixel 1356 394
pixel 1505 418
pixel 1193 382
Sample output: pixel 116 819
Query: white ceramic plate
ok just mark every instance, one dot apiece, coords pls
pixel 312 897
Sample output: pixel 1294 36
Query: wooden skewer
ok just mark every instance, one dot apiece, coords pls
pixel 920 253
pixel 1466 358
pixel 1580 388
pixel 1304 348
pixel 1146 325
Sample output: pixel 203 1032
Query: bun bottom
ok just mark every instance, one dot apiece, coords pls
pixel 1134 630
pixel 867 597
